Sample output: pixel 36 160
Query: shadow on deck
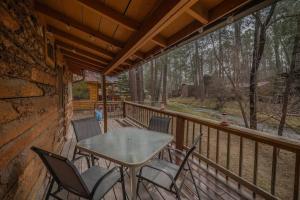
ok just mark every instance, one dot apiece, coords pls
pixel 208 186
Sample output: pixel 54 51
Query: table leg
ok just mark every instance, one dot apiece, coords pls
pixel 133 182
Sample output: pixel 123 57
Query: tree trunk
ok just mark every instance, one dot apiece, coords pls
pixel 258 49
pixel 152 91
pixel 132 85
pixel 165 71
pixel 140 84
pixel 290 79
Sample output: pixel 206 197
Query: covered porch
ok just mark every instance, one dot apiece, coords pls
pixel 44 43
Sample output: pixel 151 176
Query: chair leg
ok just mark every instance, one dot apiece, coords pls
pixel 74 153
pixel 50 189
pixel 177 192
pixel 87 161
pixel 193 179
pixel 170 156
pixel 123 183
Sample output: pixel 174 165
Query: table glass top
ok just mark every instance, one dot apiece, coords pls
pixel 127 146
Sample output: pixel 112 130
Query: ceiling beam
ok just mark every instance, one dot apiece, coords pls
pixel 45 10
pixel 163 16
pixel 199 12
pixel 79 41
pixel 82 58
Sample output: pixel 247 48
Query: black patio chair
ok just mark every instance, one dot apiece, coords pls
pixel 164 174
pixel 160 124
pixel 91 184
pixel 85 128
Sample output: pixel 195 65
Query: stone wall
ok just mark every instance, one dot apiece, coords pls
pixel 30 110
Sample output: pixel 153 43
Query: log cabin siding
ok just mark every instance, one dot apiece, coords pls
pixel 30 111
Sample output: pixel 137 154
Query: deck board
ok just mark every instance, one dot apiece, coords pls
pixel 208 186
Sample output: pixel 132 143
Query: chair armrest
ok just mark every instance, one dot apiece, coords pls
pixel 102 178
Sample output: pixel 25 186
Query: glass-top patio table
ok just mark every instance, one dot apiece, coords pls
pixel 129 147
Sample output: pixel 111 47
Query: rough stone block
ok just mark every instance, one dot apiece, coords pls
pixel 8 21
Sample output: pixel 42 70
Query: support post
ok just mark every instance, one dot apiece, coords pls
pixel 104 102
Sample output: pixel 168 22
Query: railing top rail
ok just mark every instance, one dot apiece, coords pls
pixel 263 137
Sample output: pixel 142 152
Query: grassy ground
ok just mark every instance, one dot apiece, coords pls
pixel 190 105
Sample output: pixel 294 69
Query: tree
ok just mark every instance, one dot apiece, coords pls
pixel 165 71
pixel 259 45
pixel 290 78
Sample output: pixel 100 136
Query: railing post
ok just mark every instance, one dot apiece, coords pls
pixel 104 102
pixel 124 109
pixel 179 132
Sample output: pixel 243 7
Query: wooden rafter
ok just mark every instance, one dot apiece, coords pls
pixel 77 67
pixel 73 49
pixel 45 10
pixel 164 15
pixel 82 52
pixel 80 64
pixel 83 62
pixel 82 58
pixel 224 8
pixel 199 12
pixel 118 18
pixel 160 40
pixel 79 41
pixel 111 14
pixel 185 32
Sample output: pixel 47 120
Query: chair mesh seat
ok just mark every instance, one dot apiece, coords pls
pixel 93 174
pixel 157 176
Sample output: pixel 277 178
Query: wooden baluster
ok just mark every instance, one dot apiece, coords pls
pixel 179 132
pixel 274 169
pixel 255 165
pixel 228 152
pixel 297 177
pixel 193 139
pixel 200 142
pixel 124 109
pixel 217 148
pixel 172 125
pixel 208 146
pixel 241 159
pixel 187 133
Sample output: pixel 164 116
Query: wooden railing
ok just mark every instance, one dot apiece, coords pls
pixel 114 108
pixel 253 162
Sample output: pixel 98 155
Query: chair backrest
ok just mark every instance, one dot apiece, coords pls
pixel 86 128
pixel 63 171
pixel 160 124
pixel 188 153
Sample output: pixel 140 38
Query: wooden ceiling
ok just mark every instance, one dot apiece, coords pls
pixel 110 36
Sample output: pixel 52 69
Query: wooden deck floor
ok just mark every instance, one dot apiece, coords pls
pixel 208 186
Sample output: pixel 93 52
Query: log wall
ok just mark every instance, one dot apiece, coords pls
pixel 31 113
